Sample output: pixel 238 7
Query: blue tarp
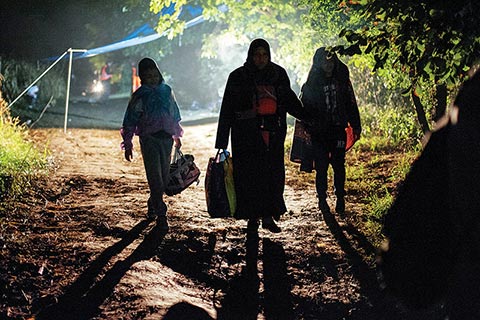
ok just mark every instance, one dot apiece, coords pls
pixel 144 34
pixel 132 42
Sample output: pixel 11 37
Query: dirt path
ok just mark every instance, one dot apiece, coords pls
pixel 85 251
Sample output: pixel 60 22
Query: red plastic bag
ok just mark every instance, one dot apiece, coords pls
pixel 350 138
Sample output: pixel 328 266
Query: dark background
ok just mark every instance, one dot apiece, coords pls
pixel 41 29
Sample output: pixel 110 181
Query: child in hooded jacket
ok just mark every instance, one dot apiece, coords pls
pixel 153 114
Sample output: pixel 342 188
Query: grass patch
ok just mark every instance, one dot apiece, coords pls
pixel 372 178
pixel 20 161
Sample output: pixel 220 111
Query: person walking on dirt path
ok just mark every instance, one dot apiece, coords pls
pixel 328 97
pixel 136 83
pixel 254 108
pixel 33 94
pixel 153 114
pixel 105 78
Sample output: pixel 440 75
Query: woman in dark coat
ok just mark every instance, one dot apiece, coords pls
pixel 254 109
pixel 328 97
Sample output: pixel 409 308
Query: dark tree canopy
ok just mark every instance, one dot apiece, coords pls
pixel 425 47
pixel 428 40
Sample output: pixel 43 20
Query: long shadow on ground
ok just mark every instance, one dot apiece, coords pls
pixel 242 298
pixel 278 285
pixel 84 297
pixel 377 304
pixel 369 288
pixel 195 257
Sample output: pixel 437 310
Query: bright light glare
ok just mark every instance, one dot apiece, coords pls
pixel 228 47
pixel 97 87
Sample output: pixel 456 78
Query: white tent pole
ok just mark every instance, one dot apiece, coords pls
pixel 67 95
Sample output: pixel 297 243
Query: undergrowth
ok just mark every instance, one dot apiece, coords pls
pixel 20 161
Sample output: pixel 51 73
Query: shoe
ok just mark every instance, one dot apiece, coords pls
pixel 269 224
pixel 340 206
pixel 162 223
pixel 151 215
pixel 323 206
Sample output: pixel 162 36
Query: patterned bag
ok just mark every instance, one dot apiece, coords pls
pixel 183 172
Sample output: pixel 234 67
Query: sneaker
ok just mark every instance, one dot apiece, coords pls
pixel 162 223
pixel 323 206
pixel 340 206
pixel 270 225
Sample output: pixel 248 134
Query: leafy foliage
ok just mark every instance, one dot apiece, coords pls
pixel 19 160
pixel 410 45
pixel 430 41
pixel 424 48
pixel 278 21
pixel 18 75
pixel 385 128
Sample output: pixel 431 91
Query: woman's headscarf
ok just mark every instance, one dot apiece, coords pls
pixel 255 73
pixel 257 43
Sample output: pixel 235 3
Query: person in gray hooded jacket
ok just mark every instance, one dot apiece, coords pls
pixel 328 97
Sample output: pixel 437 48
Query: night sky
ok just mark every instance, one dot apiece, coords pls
pixel 39 29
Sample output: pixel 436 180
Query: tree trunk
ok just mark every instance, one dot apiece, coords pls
pixel 441 97
pixel 422 119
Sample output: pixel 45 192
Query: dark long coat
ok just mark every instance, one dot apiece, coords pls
pixel 313 97
pixel 258 170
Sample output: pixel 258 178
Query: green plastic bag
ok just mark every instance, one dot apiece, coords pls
pixel 230 184
pixel 219 186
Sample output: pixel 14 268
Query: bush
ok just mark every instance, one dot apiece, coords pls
pixel 18 75
pixel 387 128
pixel 20 162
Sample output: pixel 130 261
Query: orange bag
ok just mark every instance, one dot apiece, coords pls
pixel 267 106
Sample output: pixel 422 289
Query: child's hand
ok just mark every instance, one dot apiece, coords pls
pixel 178 143
pixel 128 155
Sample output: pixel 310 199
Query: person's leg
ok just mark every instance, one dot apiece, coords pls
pixel 106 91
pixel 270 225
pixel 252 225
pixel 321 157
pixel 156 158
pixel 338 165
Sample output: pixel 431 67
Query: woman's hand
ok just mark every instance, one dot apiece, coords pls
pixel 128 155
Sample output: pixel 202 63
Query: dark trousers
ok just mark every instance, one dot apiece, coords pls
pixel 330 149
pixel 156 152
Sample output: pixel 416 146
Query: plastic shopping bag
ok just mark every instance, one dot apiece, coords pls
pixel 219 186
